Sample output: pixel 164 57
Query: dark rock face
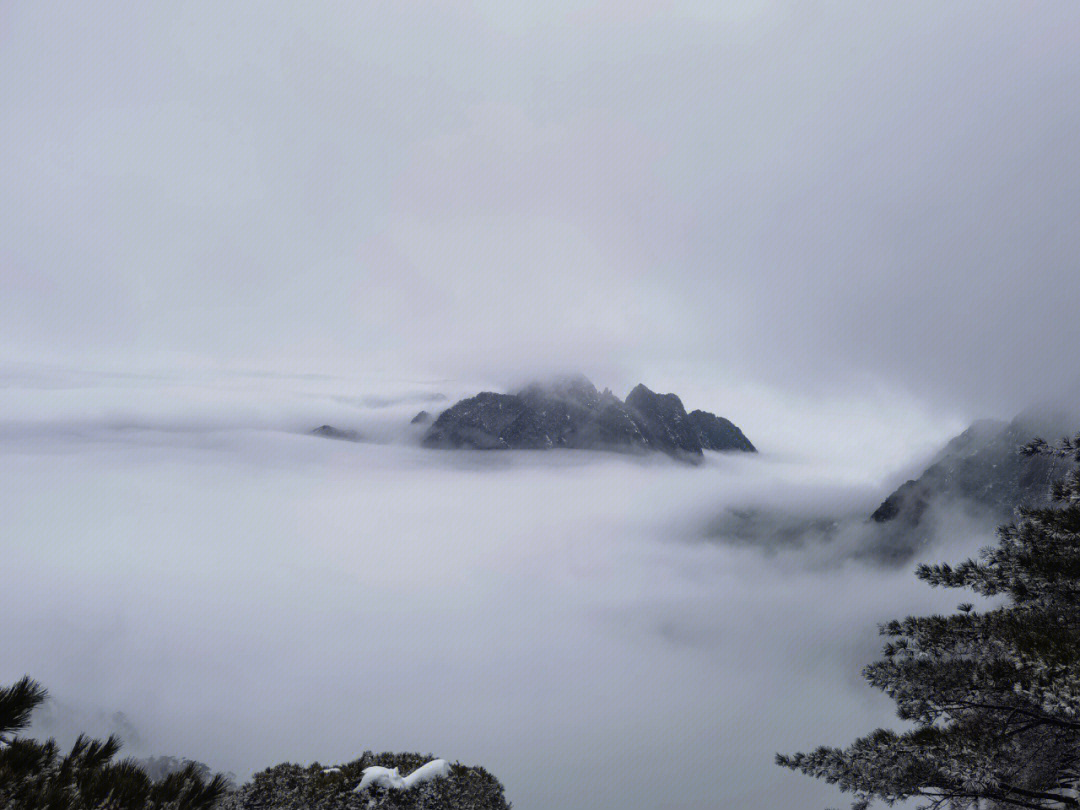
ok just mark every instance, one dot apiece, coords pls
pixel 575 415
pixel 564 409
pixel 982 470
pixel 900 498
pixel 489 421
pixel 421 418
pixel 571 413
pixel 329 432
pixel 664 421
pixel 295 787
pixel 717 433
pixel 616 426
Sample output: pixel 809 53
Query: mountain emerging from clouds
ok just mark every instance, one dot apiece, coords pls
pixel 572 413
pixel 982 470
pixel 973 483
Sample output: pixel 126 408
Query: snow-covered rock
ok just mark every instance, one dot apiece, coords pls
pixel 435 785
pixel 425 773
pixel 378 776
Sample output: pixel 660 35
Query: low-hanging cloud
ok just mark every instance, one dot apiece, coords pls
pixel 247 593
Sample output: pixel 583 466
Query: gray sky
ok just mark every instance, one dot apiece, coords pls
pixel 800 196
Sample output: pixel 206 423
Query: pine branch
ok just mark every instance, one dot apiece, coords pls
pixel 17 703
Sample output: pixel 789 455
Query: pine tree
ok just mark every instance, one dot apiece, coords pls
pixel 994 695
pixel 36 775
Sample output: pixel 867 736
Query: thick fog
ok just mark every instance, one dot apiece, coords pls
pixel 180 551
pixel 810 196
pixel 850 228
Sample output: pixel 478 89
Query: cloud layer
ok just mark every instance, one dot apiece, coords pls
pixel 800 197
pixel 246 594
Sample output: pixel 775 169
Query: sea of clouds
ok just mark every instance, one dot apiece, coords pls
pixel 179 550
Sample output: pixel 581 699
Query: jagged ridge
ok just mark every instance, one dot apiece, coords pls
pixel 983 469
pixel 571 413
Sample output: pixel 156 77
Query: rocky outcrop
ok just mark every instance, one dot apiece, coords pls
pixel 717 433
pixel 329 432
pixel 489 421
pixel 973 484
pixel 663 421
pixel 983 471
pixel 295 787
pixel 571 413
pixel 421 418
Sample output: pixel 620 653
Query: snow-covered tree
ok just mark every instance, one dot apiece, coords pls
pixel 36 775
pixel 993 695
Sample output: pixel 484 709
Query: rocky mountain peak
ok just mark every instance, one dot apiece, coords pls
pixel 569 412
pixel 982 470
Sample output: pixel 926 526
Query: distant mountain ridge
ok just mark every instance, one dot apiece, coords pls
pixel 571 413
pixel 330 432
pixel 983 469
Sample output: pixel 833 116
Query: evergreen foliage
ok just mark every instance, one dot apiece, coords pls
pixel 160 767
pixel 37 776
pixel 994 695
pixel 292 787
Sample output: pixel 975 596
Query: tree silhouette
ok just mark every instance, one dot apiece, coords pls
pixel 37 775
pixel 994 695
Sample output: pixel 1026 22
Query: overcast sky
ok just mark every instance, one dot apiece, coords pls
pixel 801 196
